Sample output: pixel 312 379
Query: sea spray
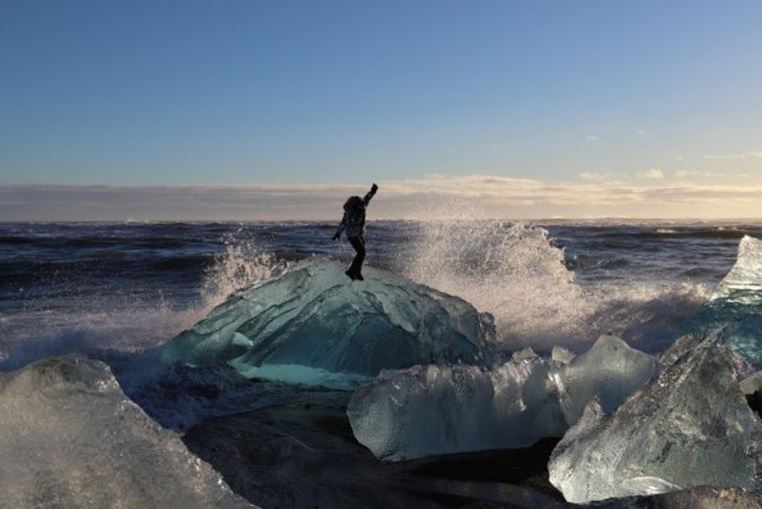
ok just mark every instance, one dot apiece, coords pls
pixel 91 298
pixel 516 272
pixel 512 271
pixel 241 264
pixel 131 322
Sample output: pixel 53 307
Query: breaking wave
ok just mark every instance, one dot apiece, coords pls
pixel 240 265
pixel 128 323
pixel 518 274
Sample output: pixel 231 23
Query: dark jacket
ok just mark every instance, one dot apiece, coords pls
pixel 353 221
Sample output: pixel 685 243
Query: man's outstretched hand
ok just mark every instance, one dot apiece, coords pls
pixel 373 188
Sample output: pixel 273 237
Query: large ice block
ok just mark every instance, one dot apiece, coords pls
pixel 427 410
pixel 689 426
pixel 312 322
pixel 70 438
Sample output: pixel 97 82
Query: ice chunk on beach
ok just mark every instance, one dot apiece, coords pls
pixel 737 303
pixel 311 321
pixel 70 438
pixel 689 426
pixel 428 410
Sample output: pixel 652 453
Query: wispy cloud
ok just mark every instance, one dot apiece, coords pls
pixel 708 174
pixel 652 174
pixel 591 175
pixel 495 196
pixel 747 155
pixel 591 138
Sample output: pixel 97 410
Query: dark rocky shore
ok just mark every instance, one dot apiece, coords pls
pixel 305 456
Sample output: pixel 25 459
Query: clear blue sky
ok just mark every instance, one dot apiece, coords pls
pixel 190 92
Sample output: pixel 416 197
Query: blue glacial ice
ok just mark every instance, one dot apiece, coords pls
pixel 429 410
pixel 312 325
pixel 69 437
pixel 689 426
pixel 737 303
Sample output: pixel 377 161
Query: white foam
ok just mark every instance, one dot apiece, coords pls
pixel 242 264
pixel 517 274
pixel 130 323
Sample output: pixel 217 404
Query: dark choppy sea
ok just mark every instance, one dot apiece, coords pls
pixel 69 286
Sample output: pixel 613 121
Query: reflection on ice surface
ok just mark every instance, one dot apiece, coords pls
pixel 304 375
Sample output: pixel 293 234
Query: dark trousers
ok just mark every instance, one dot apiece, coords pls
pixel 359 244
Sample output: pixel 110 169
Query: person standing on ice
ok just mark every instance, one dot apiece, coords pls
pixel 353 223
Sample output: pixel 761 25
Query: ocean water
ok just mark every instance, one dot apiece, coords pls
pixel 69 287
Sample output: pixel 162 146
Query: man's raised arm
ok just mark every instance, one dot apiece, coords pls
pixel 370 194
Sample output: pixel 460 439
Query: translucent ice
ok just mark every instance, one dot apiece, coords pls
pixel 70 438
pixel 689 426
pixel 737 303
pixel 427 410
pixel 610 371
pixel 312 316
pixel 743 284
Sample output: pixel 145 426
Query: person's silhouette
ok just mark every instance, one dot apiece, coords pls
pixel 353 223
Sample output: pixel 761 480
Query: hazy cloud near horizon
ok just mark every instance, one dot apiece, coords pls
pixel 432 196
